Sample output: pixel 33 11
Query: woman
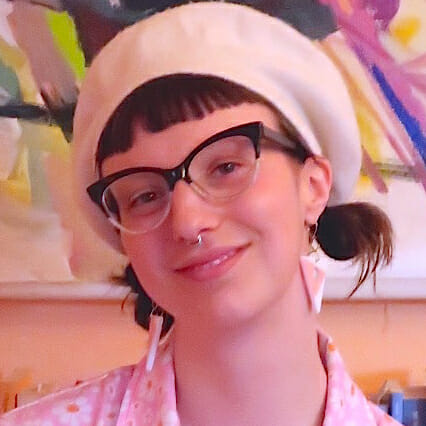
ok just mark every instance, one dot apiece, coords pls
pixel 216 143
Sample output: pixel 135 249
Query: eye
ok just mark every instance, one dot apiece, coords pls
pixel 143 198
pixel 226 168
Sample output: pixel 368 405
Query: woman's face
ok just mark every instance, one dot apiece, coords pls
pixel 251 244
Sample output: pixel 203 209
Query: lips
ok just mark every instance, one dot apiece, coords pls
pixel 211 264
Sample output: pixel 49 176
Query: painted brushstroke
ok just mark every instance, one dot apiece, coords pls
pixel 362 24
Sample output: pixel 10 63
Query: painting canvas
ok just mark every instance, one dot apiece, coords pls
pixel 379 46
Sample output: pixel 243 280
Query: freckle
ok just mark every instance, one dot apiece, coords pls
pixel 149 384
pixel 331 347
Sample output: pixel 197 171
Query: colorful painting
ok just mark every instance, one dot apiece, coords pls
pixel 379 46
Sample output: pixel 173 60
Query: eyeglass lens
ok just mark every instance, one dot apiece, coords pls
pixel 140 201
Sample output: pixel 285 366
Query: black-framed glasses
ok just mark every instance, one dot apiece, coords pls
pixel 137 199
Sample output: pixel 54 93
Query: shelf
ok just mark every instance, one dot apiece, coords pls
pixel 107 291
pixel 386 289
pixel 335 289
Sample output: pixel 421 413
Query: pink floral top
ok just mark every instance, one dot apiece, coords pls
pixel 129 396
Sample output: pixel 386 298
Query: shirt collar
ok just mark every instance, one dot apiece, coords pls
pixel 150 398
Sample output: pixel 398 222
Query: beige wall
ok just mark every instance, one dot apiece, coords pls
pixel 61 342
pixel 380 341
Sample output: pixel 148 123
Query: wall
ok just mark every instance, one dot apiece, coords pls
pixel 380 341
pixel 61 342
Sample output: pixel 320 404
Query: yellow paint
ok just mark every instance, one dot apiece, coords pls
pixel 41 137
pixel 18 185
pixel 14 58
pixel 370 134
pixel 11 56
pixel 371 137
pixel 65 36
pixel 45 138
pixel 405 29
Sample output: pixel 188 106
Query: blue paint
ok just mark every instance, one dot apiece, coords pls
pixel 410 123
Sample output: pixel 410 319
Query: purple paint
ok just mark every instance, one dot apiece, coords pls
pixel 382 10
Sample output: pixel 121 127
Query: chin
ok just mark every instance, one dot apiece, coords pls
pixel 233 309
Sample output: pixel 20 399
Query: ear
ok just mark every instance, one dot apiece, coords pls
pixel 316 180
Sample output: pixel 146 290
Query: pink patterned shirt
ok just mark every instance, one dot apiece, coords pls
pixel 129 396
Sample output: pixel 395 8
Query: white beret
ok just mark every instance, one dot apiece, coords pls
pixel 236 43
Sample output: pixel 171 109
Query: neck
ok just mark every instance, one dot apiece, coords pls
pixel 266 372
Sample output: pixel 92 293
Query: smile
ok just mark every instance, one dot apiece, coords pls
pixel 211 265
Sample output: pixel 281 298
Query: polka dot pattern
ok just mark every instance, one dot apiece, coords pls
pixel 131 396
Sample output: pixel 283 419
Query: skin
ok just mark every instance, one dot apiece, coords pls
pixel 245 340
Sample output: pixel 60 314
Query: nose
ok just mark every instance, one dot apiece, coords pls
pixel 191 215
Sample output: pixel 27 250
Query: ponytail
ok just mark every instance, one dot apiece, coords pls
pixel 358 231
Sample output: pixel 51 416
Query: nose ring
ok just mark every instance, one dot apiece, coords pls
pixel 196 243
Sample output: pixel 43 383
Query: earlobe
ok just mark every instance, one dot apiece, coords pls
pixel 317 180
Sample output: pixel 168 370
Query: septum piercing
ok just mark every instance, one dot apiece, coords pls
pixel 197 242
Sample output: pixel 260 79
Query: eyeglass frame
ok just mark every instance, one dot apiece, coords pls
pixel 256 131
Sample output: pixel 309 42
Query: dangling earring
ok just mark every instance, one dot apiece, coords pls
pixel 315 248
pixel 313 276
pixel 314 280
pixel 154 333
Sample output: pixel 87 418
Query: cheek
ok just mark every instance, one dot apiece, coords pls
pixel 145 256
pixel 273 210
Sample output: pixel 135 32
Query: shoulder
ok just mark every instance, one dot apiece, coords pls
pixel 93 402
pixel 346 403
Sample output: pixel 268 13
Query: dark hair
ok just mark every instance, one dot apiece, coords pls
pixel 165 101
pixel 358 231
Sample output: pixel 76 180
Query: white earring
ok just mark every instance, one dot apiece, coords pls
pixel 314 279
pixel 154 334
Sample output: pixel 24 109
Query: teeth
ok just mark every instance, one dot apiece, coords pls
pixel 216 262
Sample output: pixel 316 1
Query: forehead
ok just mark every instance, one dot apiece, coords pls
pixel 169 147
